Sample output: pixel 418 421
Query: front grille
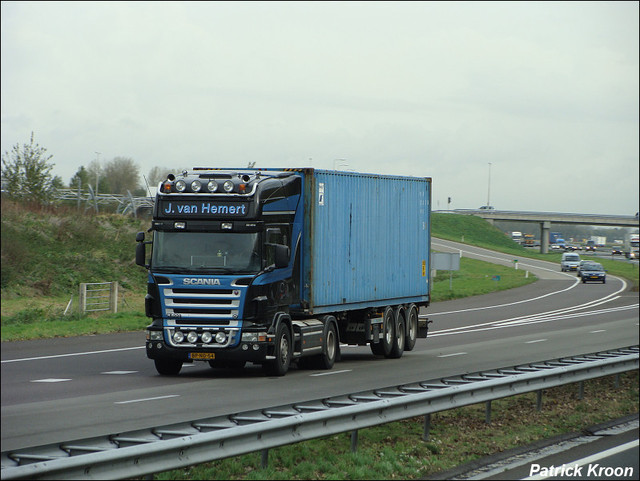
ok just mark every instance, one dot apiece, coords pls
pixel 202 306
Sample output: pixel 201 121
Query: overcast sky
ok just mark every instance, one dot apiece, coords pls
pixel 528 105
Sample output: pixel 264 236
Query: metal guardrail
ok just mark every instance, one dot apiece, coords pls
pixel 158 449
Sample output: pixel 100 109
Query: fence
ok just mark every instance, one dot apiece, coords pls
pixel 158 449
pixel 124 203
pixel 98 296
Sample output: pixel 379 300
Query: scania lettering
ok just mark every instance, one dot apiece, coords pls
pixel 281 266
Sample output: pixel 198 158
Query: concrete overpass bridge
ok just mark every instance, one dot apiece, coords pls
pixel 545 219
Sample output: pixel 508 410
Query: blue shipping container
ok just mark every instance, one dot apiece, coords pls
pixel 367 240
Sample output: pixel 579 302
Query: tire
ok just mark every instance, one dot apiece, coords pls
pixel 412 328
pixel 383 348
pixel 330 346
pixel 282 351
pixel 397 347
pixel 168 367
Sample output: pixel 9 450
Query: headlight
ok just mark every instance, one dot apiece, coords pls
pixel 154 335
pixel 206 337
pixel 212 186
pixel 196 185
pixel 192 336
pixel 227 186
pixel 178 337
pixel 221 337
pixel 181 186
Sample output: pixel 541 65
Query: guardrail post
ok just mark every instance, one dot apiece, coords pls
pixel 539 400
pixel 264 462
pixel 487 412
pixel 617 384
pixel 427 427
pixel 354 441
pixel 580 389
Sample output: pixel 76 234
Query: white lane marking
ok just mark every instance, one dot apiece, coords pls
pixel 501 305
pixel 599 330
pixel 118 372
pixel 331 373
pixel 147 399
pixel 454 354
pixel 50 380
pixel 517 321
pixel 537 340
pixel 576 282
pixel 73 354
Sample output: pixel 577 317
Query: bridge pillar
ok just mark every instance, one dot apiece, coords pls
pixel 545 227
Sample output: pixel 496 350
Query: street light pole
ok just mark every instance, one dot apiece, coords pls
pixel 97 170
pixel 489 188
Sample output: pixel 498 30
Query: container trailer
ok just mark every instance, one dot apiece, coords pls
pixel 281 266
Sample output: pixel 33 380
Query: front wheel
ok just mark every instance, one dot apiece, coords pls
pixel 168 367
pixel 282 352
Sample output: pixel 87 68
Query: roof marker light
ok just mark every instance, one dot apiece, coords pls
pixel 181 186
pixel 212 186
pixel 196 185
pixel 227 186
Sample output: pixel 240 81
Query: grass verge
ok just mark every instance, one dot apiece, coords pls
pixel 397 450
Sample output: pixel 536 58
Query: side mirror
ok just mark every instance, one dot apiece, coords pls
pixel 141 254
pixel 141 251
pixel 281 256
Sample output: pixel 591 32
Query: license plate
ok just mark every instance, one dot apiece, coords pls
pixel 202 355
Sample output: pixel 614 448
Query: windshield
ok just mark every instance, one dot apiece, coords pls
pixel 592 266
pixel 572 258
pixel 206 251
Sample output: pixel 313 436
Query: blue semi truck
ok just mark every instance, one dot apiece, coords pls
pixel 281 266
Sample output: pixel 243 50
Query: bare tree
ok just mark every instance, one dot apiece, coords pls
pixel 122 175
pixel 26 173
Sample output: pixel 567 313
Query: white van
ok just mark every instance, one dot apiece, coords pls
pixel 570 261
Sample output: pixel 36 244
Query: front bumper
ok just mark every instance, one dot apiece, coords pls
pixel 245 351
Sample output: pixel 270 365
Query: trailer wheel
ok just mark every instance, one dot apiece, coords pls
pixel 168 367
pixel 412 328
pixel 384 346
pixel 397 347
pixel 282 352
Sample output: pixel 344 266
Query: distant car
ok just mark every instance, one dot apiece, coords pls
pixel 593 272
pixel 616 251
pixel 571 247
pixel 570 262
pixel 582 263
pixel 486 207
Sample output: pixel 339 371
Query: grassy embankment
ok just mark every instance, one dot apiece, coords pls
pixel 46 254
